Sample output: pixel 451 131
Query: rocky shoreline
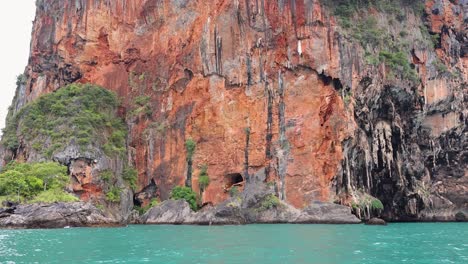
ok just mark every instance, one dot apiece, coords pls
pixel 252 206
pixel 176 212
pixel 55 215
pixel 231 213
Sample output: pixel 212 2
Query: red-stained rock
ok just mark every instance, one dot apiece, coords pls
pixel 217 69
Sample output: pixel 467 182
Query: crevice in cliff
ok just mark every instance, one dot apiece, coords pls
pixel 249 69
pixel 246 153
pixel 269 123
pixel 283 150
pixel 218 46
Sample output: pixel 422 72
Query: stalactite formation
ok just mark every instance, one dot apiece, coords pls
pixel 336 111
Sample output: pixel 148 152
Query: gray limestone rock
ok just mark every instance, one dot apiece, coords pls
pixel 56 215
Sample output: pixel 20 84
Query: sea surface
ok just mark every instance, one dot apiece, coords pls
pixel 257 244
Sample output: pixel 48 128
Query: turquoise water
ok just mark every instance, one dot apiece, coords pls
pixel 269 244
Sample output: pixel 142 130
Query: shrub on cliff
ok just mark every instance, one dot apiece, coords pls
pixel 53 196
pixel 190 146
pixel 187 194
pixel 203 179
pixel 113 194
pixel 82 115
pixel 376 204
pixel 361 24
pixel 130 175
pixel 269 202
pixel 28 181
pixel 141 106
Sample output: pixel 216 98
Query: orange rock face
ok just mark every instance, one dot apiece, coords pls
pixel 212 70
pixel 253 83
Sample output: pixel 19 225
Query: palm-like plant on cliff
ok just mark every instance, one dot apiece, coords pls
pixel 190 147
pixel 203 179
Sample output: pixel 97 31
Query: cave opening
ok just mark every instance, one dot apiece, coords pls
pixel 233 179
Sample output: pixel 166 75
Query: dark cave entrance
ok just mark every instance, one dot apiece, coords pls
pixel 233 179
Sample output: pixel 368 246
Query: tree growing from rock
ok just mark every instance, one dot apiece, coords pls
pixel 190 147
pixel 203 179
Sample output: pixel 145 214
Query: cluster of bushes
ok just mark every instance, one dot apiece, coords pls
pixel 373 204
pixel 76 114
pixel 399 64
pixel 130 175
pixel 348 8
pixel 363 27
pixel 269 202
pixel 35 182
pixel 113 194
pixel 187 194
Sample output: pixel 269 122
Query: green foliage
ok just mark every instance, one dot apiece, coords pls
pixel 53 196
pixel 130 175
pixel 367 32
pixel 141 106
pixel 113 194
pixel 142 210
pixel 100 207
pixel 234 191
pixel 431 39
pixel 349 8
pixel 365 200
pixel 203 179
pixel 376 204
pixel 190 146
pixel 11 198
pixel 269 202
pixel 9 138
pixel 76 114
pixel 154 202
pixel 399 64
pixel 106 176
pixel 142 100
pixel 187 194
pixel 21 80
pixel 361 25
pixel 29 180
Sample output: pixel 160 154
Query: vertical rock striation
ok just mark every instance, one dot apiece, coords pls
pixel 278 86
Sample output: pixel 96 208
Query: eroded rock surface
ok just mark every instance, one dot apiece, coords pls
pixel 249 207
pixel 56 215
pixel 273 86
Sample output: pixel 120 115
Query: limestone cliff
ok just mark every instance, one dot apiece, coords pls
pixel 332 105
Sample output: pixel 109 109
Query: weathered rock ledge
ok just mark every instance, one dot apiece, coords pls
pixel 231 212
pixel 56 215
